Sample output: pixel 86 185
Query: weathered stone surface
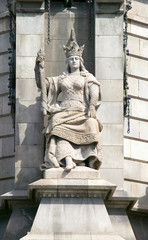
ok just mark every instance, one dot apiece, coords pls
pixel 72 215
pixel 4 24
pixel 29 45
pixel 112 90
pixel 25 67
pixel 139 29
pixel 4 63
pixel 23 218
pixel 64 24
pixel 103 46
pixel 143 130
pixel 6 126
pixel 5 44
pixel 112 134
pixel 134 128
pixel 0 148
pixel 127 148
pixel 138 108
pixel 29 156
pixel 23 136
pixel 139 9
pixel 8 146
pixel 143 88
pixel 24 176
pixel 139 190
pixel 78 10
pixel 7 168
pixel 73 237
pixel 113 175
pixel 3 6
pixel 77 173
pixel 6 185
pixel 30 23
pixel 110 112
pixel 28 111
pixel 138 67
pixel 133 45
pixel 121 224
pixel 22 89
pixel 71 188
pixel 143 48
pixel 109 68
pixel 5 109
pixel 3 84
pixel 112 157
pixel 136 171
pixel 133 86
pixel 136 149
pixel 109 25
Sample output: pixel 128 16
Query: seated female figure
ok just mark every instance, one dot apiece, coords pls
pixel 73 129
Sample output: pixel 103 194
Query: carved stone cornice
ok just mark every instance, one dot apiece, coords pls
pixel 109 1
pixel 109 6
pixel 30 6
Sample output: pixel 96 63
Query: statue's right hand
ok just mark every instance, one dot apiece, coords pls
pixel 92 111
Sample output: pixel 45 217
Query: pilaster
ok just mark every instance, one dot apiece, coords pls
pixel 29 121
pixel 109 71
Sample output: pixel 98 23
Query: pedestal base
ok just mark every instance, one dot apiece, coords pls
pixel 72 219
pixel 72 206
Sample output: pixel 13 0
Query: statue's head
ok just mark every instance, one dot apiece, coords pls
pixel 74 53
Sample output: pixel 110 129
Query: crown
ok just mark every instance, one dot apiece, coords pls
pixel 73 48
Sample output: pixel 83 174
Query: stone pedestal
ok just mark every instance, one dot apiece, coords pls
pixel 73 206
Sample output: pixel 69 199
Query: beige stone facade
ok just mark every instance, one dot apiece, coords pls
pixel 136 143
pixel 125 156
pixel 6 128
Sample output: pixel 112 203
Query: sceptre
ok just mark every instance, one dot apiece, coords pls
pixel 40 79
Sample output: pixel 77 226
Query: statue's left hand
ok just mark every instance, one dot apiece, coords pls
pixel 92 111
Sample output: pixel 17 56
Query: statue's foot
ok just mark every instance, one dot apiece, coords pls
pixel 69 164
pixel 45 166
pixel 54 161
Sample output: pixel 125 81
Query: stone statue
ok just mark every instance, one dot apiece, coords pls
pixel 73 129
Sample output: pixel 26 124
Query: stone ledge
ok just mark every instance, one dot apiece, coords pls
pixel 138 19
pixel 109 1
pixel 10 198
pixel 30 1
pixel 71 188
pixel 122 199
pixel 72 237
pixel 77 173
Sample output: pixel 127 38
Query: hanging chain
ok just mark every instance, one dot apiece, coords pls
pixel 90 2
pixel 11 50
pixel 126 54
pixel 49 25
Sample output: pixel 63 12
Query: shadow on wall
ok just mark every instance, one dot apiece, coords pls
pixel 142 1
pixel 139 219
pixel 29 142
pixel 143 201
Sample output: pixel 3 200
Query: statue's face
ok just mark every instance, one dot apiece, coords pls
pixel 74 62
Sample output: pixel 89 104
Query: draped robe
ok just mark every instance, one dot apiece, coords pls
pixel 77 135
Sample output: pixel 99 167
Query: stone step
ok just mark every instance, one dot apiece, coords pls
pixel 72 237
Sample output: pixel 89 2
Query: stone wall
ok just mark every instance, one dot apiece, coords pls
pixel 29 121
pixel 62 20
pixel 6 128
pixel 109 71
pixel 136 143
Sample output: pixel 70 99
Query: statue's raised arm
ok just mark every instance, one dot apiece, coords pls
pixel 40 78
